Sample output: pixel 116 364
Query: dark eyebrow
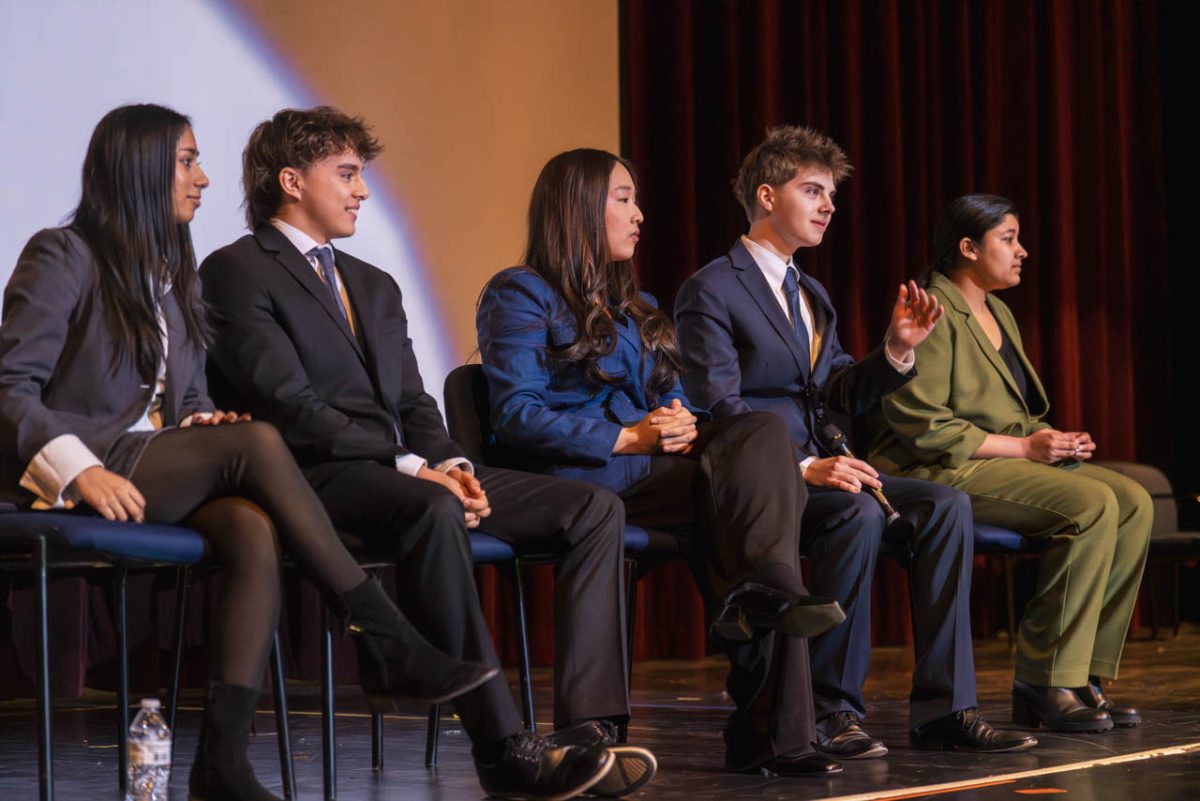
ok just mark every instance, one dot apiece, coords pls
pixel 348 167
pixel 1008 231
pixel 623 187
pixel 191 150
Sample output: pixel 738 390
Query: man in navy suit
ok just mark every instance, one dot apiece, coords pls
pixel 316 342
pixel 756 333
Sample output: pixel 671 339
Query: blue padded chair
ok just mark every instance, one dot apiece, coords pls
pixel 65 541
pixel 468 418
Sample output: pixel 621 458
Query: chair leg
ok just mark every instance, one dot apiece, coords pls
pixel 1152 596
pixel 283 732
pixel 183 577
pixel 523 655
pixel 433 731
pixel 376 741
pixel 45 754
pixel 1010 562
pixel 632 577
pixel 1178 619
pixel 122 684
pixel 328 732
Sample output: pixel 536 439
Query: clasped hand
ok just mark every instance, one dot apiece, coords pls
pixel 667 429
pixel 466 488
pixel 1050 445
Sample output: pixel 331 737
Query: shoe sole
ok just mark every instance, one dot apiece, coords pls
pixel 594 779
pixel 944 745
pixel 392 703
pixel 632 769
pixel 874 752
pixel 801 621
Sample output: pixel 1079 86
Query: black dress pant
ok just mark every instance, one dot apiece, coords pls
pixel 740 492
pixel 843 533
pixel 422 524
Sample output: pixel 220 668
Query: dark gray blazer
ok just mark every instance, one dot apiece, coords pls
pixel 55 371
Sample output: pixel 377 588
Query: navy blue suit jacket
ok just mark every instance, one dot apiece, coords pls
pixel 742 354
pixel 546 415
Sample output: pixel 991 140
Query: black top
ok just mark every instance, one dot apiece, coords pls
pixel 1009 354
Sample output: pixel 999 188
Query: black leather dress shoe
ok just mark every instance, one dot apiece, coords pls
pixel 1056 708
pixel 531 768
pixel 633 767
pixel 966 730
pixel 806 765
pixel 841 735
pixel 1123 715
pixel 752 607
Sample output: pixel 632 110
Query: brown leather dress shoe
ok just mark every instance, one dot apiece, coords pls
pixel 1056 708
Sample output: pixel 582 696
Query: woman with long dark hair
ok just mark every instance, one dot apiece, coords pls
pixel 103 405
pixel 583 376
pixel 974 418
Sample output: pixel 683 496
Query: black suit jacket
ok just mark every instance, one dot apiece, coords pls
pixel 56 371
pixel 741 353
pixel 284 352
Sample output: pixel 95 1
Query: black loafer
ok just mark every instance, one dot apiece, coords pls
pixel 752 608
pixel 1056 708
pixel 633 767
pixel 841 735
pixel 809 765
pixel 1092 696
pixel 966 730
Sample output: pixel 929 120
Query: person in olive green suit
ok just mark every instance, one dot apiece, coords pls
pixel 973 418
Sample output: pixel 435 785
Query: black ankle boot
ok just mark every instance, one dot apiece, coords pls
pixel 1093 696
pixel 395 662
pixel 1056 708
pixel 221 771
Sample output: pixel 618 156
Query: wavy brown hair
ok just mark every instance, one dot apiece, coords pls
pixel 296 138
pixel 568 247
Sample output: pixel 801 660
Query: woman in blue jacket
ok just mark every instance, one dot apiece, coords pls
pixel 583 376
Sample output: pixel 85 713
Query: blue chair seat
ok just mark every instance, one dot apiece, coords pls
pixel 110 541
pixel 994 539
pixel 487 550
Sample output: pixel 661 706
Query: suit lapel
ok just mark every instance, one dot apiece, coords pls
pixel 298 267
pixel 364 320
pixel 985 345
pixel 178 368
pixel 756 286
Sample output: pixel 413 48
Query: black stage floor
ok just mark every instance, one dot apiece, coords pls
pixel 678 712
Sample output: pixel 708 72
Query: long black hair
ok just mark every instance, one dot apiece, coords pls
pixel 967 217
pixel 126 214
pixel 568 247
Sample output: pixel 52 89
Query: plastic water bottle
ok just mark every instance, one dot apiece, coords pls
pixel 149 754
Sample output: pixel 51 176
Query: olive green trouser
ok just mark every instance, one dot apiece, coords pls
pixel 1098 525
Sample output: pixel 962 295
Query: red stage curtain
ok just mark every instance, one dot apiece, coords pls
pixel 1057 105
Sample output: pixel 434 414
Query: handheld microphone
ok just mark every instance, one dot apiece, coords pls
pixel 835 440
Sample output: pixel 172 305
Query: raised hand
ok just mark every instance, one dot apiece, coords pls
pixel 915 314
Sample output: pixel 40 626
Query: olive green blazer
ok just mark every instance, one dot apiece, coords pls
pixel 962 392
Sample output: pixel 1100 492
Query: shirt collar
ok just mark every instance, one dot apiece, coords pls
pixel 774 269
pixel 302 241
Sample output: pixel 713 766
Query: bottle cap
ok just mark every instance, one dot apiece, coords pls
pixel 151 703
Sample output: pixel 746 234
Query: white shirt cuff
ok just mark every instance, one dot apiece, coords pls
pixel 54 467
pixel 410 464
pixel 805 463
pixel 899 366
pixel 460 462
